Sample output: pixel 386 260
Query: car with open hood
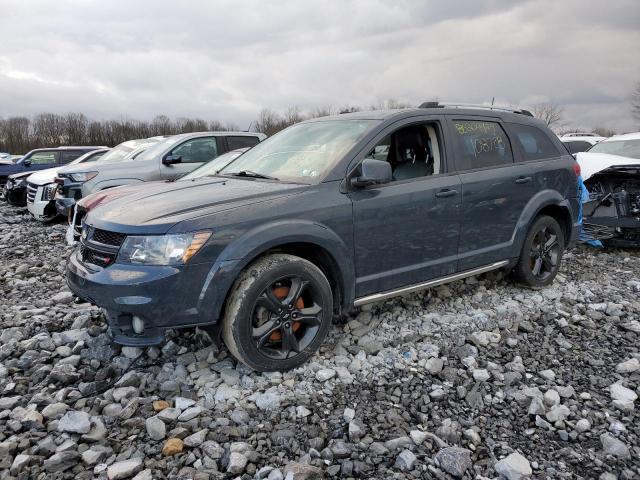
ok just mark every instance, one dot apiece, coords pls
pixel 611 174
pixel 327 215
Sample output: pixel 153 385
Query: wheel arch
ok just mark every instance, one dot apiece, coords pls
pixel 309 240
pixel 546 202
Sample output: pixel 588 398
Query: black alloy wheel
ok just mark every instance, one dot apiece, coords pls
pixel 278 313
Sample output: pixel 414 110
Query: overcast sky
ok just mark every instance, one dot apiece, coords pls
pixel 226 60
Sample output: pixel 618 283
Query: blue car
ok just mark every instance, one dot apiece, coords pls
pixel 42 158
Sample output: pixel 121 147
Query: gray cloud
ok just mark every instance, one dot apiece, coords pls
pixel 228 59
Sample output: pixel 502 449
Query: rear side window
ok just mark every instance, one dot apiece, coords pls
pixel 533 142
pixel 197 150
pixel 577 146
pixel 44 158
pixel 480 144
pixel 241 142
pixel 70 155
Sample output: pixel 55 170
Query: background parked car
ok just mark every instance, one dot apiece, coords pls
pixel 71 183
pixel 576 143
pixel 611 173
pixel 85 204
pixel 42 158
pixel 41 187
pixel 167 160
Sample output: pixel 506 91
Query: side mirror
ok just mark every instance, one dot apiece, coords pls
pixel 171 159
pixel 27 162
pixel 372 172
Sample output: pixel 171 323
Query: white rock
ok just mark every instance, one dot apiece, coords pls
pixel 124 469
pixel 302 411
pixel 418 436
pixel 182 403
pixel 189 413
pixel 348 414
pixel 269 400
pixel 434 365
pixel 628 366
pixel 582 425
pixel 513 467
pixel 481 375
pixel 558 413
pixel 237 463
pixel 406 460
pixel 75 422
pixel 623 397
pixel 551 398
pixel 325 374
pixel 156 428
pixel 548 375
pixel 612 446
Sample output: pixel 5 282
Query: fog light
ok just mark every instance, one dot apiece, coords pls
pixel 138 325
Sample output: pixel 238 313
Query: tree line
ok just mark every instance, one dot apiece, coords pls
pixel 19 134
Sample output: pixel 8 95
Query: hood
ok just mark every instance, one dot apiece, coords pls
pixel 91 201
pixel 160 206
pixel 592 163
pixel 43 177
pixel 17 176
pixel 96 167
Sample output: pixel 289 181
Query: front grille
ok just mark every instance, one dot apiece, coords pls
pixel 32 190
pixel 95 257
pixel 107 238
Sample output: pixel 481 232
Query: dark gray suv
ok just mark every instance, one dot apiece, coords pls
pixel 327 215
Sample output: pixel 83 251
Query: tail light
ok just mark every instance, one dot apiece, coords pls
pixel 576 168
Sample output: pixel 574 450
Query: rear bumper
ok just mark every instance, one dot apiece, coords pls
pixel 162 296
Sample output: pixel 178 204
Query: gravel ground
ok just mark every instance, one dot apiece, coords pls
pixel 477 379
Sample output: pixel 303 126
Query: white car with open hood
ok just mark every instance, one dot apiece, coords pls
pixel 611 172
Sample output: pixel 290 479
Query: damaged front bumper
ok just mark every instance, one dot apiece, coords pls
pixel 612 212
pixel 157 297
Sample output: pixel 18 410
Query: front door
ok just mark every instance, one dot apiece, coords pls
pixel 406 231
pixel 193 153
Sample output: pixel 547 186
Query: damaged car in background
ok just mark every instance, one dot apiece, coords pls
pixel 611 175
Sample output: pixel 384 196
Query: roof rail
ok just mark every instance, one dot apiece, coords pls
pixel 500 108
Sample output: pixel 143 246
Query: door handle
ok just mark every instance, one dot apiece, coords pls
pixel 446 193
pixel 523 179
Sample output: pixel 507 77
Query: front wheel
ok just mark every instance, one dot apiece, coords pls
pixel 541 254
pixel 278 313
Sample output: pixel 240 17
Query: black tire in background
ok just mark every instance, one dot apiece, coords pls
pixel 278 313
pixel 541 253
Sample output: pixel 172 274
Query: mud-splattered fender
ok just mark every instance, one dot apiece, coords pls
pixel 250 245
pixel 536 204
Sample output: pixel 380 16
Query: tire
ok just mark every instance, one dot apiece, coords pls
pixel 539 260
pixel 267 325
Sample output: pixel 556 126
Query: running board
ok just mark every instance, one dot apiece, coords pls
pixel 377 297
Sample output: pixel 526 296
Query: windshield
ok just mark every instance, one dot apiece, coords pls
pixel 117 154
pixel 152 152
pixel 624 148
pixel 301 153
pixel 212 167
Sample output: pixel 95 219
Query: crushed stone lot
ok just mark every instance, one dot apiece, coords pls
pixel 476 379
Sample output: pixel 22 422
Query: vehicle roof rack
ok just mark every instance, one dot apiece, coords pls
pixel 500 108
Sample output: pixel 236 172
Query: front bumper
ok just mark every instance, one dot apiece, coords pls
pixel 162 296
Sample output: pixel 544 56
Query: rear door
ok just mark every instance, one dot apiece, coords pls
pixel 495 189
pixel 67 156
pixel 406 231
pixel 193 153
pixel 45 159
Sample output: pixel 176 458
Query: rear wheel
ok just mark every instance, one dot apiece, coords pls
pixel 541 254
pixel 278 313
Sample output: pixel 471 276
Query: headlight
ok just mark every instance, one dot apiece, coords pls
pixel 49 191
pixel 82 176
pixel 162 249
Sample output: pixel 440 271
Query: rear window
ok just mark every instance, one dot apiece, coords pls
pixel 70 155
pixel 577 146
pixel 534 143
pixel 235 143
pixel 480 144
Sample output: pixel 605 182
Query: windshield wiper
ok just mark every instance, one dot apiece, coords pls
pixel 249 173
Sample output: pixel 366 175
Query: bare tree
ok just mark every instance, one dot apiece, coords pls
pixel 550 113
pixel 268 122
pixel 16 134
pixel 162 125
pixel 75 126
pixel 49 129
pixel 603 131
pixel 635 102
